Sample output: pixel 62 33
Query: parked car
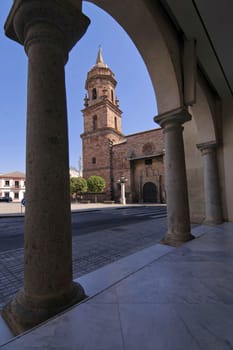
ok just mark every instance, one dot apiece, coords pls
pixel 5 199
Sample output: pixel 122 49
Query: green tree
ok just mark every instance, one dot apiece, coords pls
pixel 78 185
pixel 96 184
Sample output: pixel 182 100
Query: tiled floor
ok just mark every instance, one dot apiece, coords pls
pixel 161 298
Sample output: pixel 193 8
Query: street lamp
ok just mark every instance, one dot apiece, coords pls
pixel 122 181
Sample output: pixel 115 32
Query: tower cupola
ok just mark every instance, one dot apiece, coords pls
pixel 100 83
pixel 101 106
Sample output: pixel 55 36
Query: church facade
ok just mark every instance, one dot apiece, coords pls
pixel 109 153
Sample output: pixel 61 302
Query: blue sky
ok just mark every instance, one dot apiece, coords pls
pixel 134 89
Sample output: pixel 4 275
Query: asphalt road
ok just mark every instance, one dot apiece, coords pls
pixel 83 222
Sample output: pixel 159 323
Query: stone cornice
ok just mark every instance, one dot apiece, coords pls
pixel 101 132
pixel 106 102
pixel 154 155
pixel 98 75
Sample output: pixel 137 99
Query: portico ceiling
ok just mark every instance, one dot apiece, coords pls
pixel 210 22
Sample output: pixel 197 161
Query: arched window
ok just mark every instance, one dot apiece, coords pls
pixel 94 121
pixel 112 96
pixel 94 94
pixel 94 160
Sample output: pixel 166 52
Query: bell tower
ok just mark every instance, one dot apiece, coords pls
pixel 102 123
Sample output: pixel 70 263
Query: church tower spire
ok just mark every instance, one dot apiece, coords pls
pixel 100 60
pixel 102 121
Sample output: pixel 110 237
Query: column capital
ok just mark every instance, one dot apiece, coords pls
pixel 207 147
pixel 174 117
pixel 51 22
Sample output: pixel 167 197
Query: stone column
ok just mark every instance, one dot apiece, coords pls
pixel 213 209
pixel 176 181
pixel 48 30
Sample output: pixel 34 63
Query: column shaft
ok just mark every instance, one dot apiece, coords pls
pixel 48 259
pixel 176 180
pixel 213 209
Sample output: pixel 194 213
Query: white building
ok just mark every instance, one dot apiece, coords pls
pixel 12 185
pixel 74 172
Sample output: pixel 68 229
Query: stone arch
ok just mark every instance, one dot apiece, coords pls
pixel 161 56
pixel 149 193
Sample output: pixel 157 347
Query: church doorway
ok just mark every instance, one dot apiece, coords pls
pixel 149 193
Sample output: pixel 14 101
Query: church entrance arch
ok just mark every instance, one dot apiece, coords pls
pixel 149 193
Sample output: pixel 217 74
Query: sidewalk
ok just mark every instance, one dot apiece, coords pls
pixel 16 209
pixel 161 298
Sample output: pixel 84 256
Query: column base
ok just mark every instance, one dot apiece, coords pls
pixel 175 240
pixel 24 312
